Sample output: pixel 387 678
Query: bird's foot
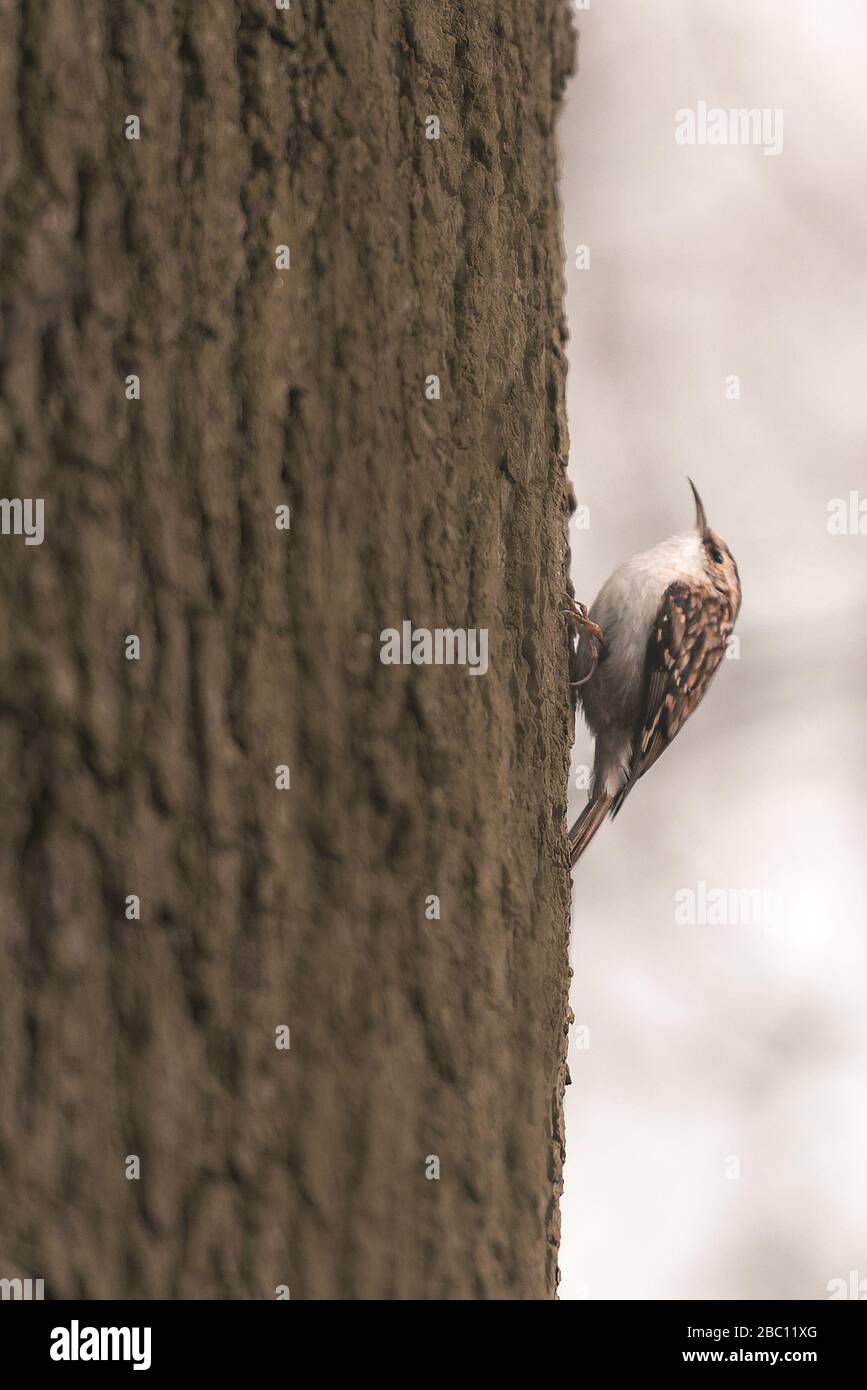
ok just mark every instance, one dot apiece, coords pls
pixel 577 613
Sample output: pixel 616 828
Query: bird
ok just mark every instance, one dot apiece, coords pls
pixel 644 656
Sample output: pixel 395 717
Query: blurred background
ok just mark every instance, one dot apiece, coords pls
pixel 717 1120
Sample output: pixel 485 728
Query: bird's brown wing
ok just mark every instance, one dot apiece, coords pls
pixel 684 649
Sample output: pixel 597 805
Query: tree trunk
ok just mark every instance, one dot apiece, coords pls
pixel 269 379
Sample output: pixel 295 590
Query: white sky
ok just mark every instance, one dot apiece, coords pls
pixel 710 1044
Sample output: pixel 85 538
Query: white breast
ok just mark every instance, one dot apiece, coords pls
pixel 625 609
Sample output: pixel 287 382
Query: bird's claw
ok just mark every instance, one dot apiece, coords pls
pixel 577 613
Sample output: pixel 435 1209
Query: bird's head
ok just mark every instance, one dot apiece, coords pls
pixel 718 559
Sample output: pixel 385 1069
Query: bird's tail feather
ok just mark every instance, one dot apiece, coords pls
pixel 587 824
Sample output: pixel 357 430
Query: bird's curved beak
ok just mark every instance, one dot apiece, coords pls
pixel 700 518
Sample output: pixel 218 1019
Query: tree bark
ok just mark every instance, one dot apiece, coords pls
pixel 263 386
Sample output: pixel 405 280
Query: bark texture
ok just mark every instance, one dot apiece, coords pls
pixel 263 907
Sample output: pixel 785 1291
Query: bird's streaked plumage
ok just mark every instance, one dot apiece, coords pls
pixel 665 617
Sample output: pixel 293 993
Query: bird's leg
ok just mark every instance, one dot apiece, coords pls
pixel 577 614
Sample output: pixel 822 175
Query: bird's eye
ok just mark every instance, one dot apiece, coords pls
pixel 716 554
